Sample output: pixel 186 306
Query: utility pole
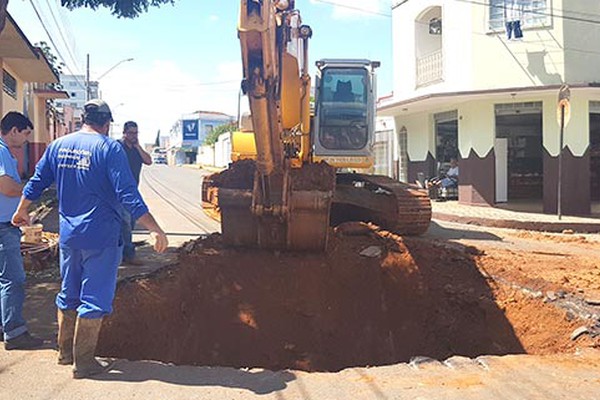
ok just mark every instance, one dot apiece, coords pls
pixel 563 116
pixel 87 79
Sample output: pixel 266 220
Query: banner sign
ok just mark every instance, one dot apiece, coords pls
pixel 190 129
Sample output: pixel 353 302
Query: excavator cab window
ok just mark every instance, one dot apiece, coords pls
pixel 343 108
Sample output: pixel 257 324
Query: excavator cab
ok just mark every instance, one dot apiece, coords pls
pixel 344 119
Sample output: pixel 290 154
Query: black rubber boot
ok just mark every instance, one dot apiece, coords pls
pixel 84 347
pixel 66 332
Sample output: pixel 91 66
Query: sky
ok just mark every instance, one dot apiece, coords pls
pixel 186 57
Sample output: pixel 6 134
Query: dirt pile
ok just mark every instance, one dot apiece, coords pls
pixel 239 175
pixel 254 308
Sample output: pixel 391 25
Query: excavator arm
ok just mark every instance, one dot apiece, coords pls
pixel 287 195
pixel 287 206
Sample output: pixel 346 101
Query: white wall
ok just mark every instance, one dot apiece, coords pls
pixel 223 150
pixel 477 59
pixel 420 133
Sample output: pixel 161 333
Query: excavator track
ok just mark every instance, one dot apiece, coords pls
pixel 393 205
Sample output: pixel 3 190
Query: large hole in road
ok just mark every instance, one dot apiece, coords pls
pixel 324 312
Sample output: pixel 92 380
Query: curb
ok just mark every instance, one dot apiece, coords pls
pixel 554 227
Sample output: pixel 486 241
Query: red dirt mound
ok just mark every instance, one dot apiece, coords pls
pixel 255 308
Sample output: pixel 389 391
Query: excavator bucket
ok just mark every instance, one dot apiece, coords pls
pixel 312 188
pixel 238 224
pixel 300 221
pixel 309 219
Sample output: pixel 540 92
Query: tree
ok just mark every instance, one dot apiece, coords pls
pixel 213 136
pixel 120 8
pixel 57 66
pixel 157 141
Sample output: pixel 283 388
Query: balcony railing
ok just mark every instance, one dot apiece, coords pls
pixel 430 68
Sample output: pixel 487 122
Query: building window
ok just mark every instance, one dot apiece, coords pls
pixel 72 84
pixel 531 13
pixel 9 84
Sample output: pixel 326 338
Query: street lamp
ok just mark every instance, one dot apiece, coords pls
pixel 87 78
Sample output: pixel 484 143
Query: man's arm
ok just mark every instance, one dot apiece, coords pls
pixel 129 196
pixel 156 233
pixel 9 187
pixel 21 216
pixel 146 158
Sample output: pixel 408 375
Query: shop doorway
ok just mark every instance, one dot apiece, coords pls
pixel 446 140
pixel 595 156
pixel 521 125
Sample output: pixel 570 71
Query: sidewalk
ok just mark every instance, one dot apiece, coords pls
pixel 452 211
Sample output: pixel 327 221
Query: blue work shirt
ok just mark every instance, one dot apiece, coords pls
pixel 93 182
pixel 8 167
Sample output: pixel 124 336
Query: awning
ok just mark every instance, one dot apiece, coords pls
pixel 27 61
pixel 436 100
pixel 50 94
pixel 14 43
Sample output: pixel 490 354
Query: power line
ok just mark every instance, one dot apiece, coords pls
pixel 497 33
pixel 66 23
pixel 66 45
pixel 60 32
pixel 54 44
pixel 536 12
pixel 503 6
pixel 363 10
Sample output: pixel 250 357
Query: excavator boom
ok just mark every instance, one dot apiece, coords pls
pixel 286 196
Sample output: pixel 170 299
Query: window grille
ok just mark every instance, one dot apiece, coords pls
pixel 9 84
pixel 534 13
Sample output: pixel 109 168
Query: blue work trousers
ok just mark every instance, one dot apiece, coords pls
pixel 12 281
pixel 89 280
pixel 127 225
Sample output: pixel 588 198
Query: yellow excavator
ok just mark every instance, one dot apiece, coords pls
pixel 293 173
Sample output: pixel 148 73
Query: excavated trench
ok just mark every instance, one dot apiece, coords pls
pixel 324 312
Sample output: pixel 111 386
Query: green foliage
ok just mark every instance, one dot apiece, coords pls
pixel 57 66
pixel 120 8
pixel 212 137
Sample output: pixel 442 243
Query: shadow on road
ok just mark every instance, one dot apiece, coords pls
pixel 259 381
pixel 438 231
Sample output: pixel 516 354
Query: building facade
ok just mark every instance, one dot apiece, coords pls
pixel 479 81
pixel 190 132
pixel 26 76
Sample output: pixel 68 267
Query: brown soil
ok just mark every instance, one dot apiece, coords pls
pixel 318 176
pixel 239 175
pixel 253 308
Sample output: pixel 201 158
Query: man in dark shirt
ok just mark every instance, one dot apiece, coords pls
pixel 136 157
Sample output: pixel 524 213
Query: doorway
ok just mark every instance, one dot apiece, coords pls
pixel 446 140
pixel 521 125
pixel 595 156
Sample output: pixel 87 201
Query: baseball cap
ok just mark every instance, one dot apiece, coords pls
pixel 97 106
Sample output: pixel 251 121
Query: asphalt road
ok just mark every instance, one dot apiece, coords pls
pixel 173 195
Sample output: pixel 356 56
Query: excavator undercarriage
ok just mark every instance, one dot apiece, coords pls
pixel 317 198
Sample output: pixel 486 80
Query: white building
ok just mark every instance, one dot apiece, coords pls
pixel 189 133
pixel 463 88
pixel 74 85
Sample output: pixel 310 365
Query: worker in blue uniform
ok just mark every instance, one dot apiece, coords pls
pixel 15 128
pixel 94 182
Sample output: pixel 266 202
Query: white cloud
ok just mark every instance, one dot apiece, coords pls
pixel 356 9
pixel 213 18
pixel 156 97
